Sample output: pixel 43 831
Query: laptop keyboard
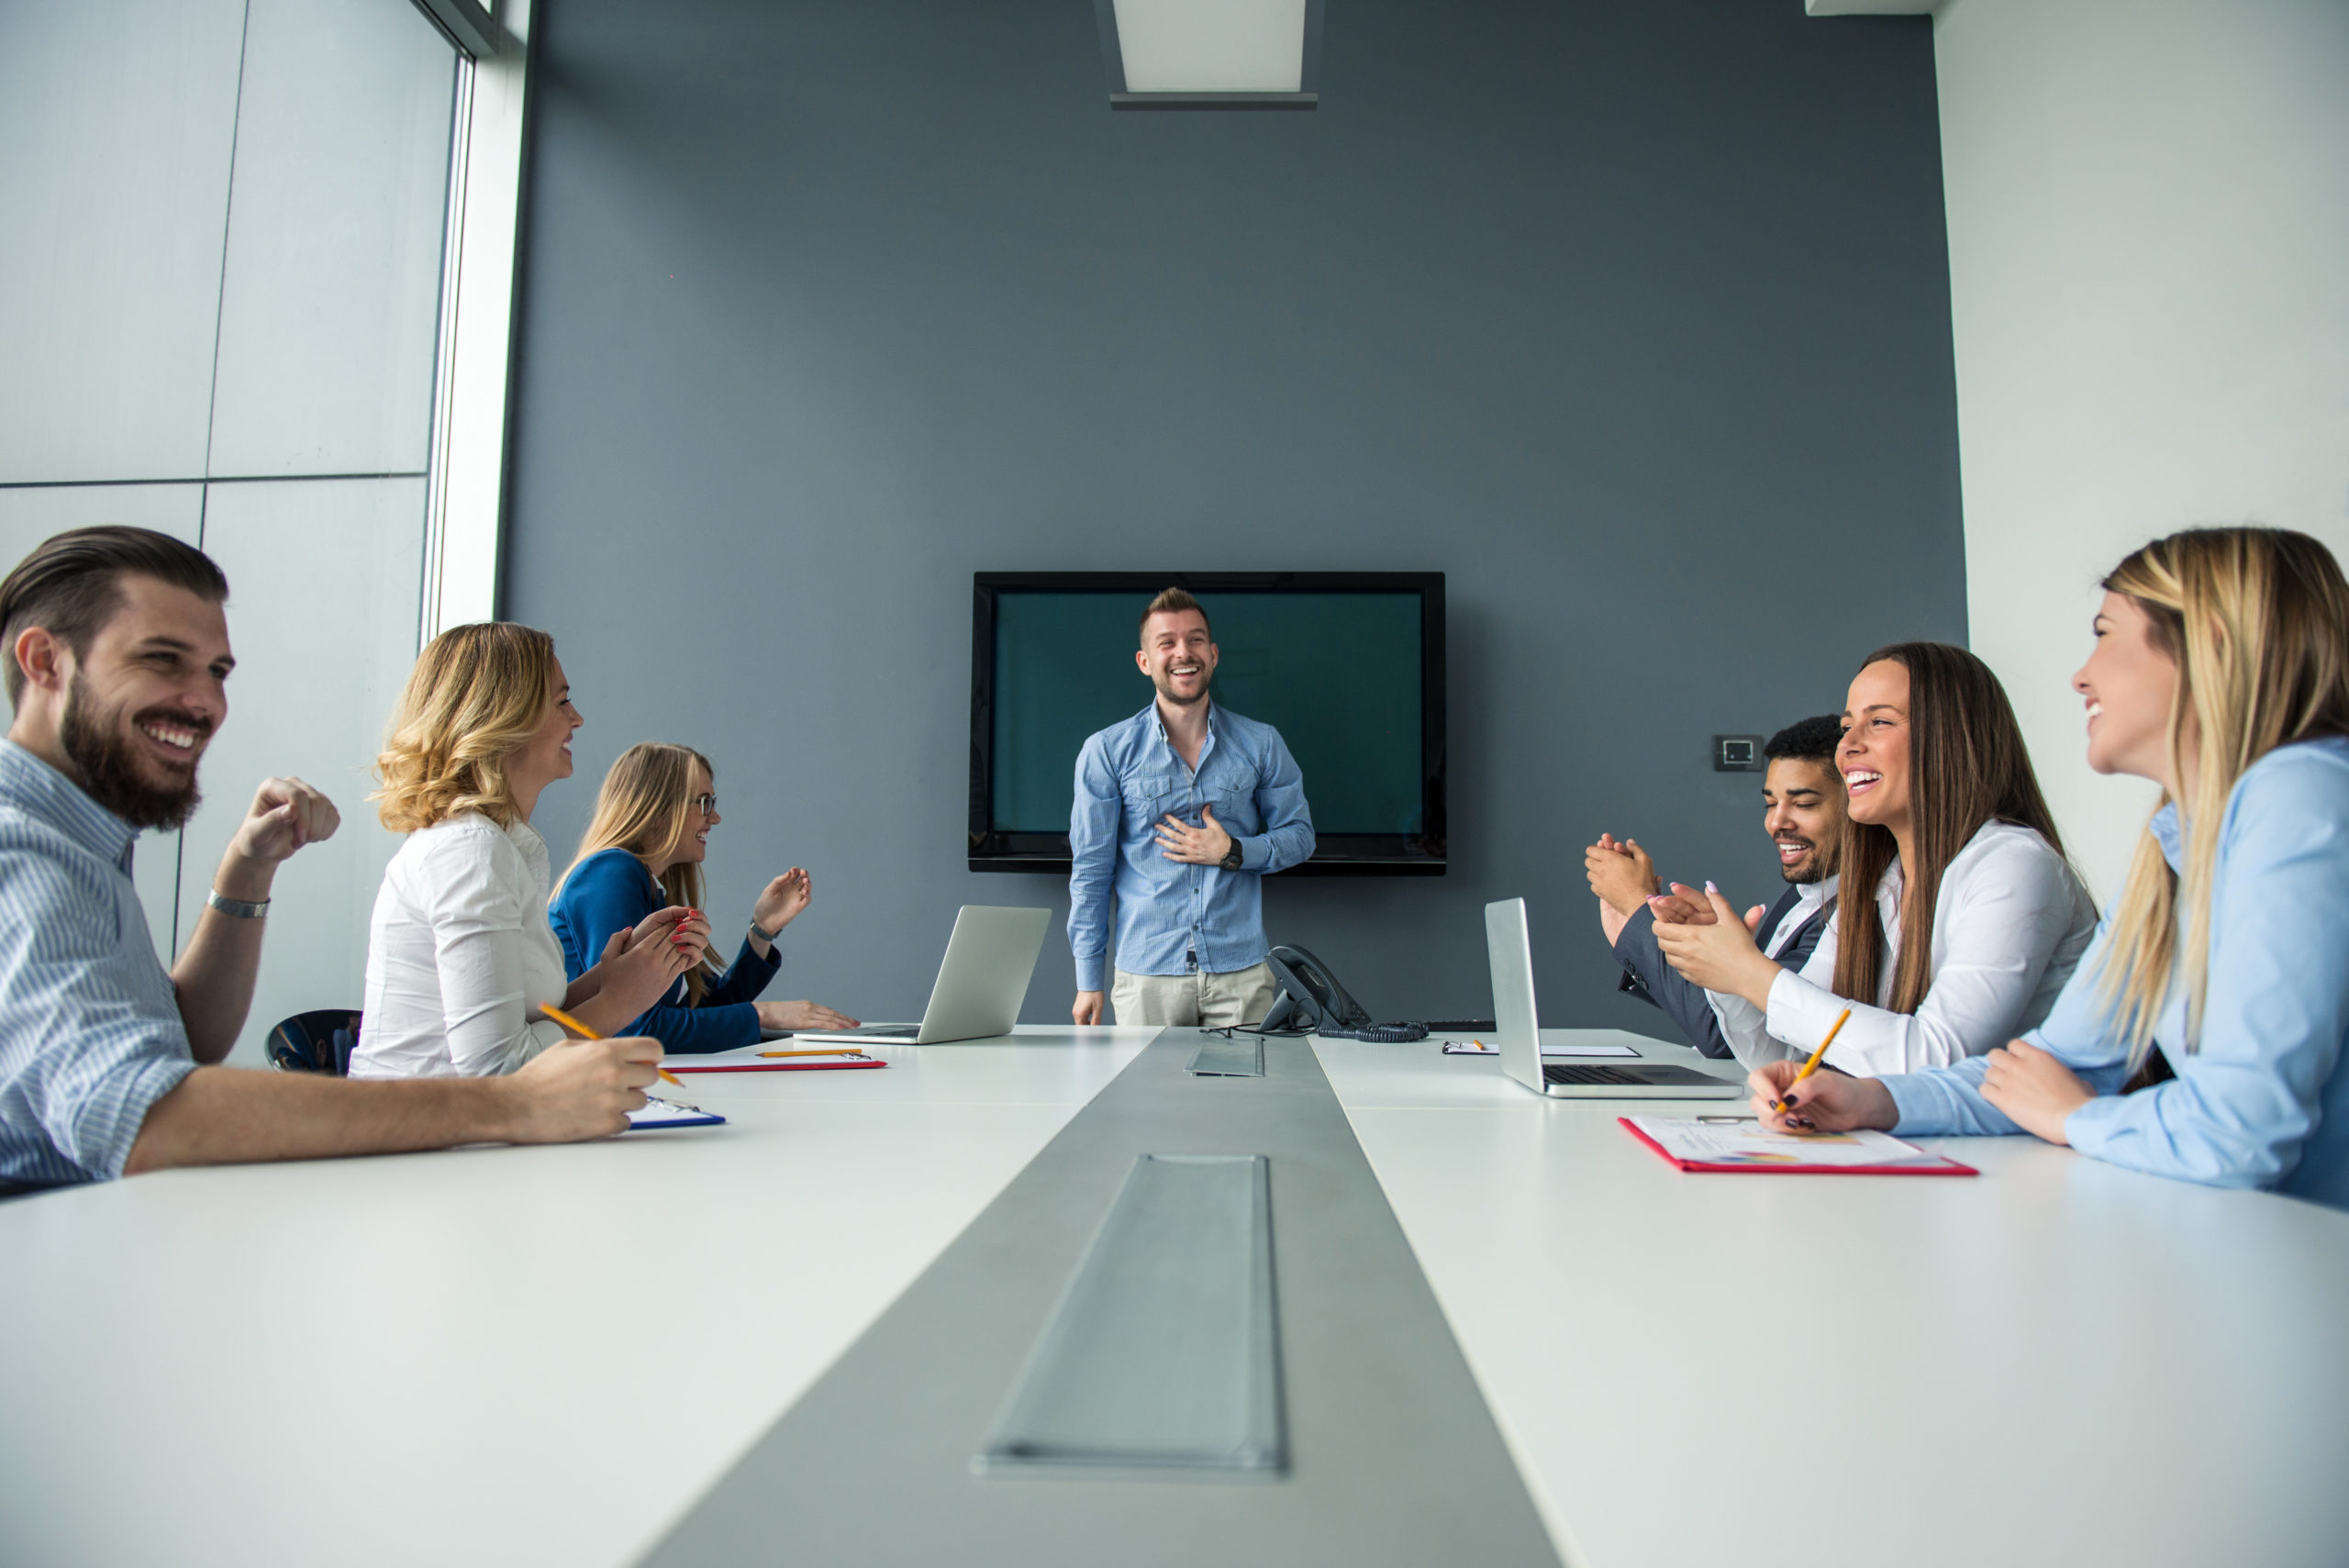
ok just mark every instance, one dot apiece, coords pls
pixel 1649 1077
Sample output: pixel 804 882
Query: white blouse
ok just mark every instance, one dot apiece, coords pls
pixel 2010 924
pixel 460 955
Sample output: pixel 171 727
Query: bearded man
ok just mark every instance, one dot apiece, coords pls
pixel 1803 812
pixel 117 665
pixel 1182 810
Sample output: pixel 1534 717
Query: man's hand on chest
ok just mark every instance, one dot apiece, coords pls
pixel 1206 844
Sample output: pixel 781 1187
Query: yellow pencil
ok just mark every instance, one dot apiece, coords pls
pixel 575 1027
pixel 828 1051
pixel 1812 1065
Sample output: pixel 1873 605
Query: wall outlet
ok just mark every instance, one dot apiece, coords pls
pixel 1737 753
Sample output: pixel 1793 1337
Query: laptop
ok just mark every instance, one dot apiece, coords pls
pixel 1511 952
pixel 989 961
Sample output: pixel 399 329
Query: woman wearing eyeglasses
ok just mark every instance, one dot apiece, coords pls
pixel 643 851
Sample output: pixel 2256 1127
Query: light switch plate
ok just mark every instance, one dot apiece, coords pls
pixel 1737 753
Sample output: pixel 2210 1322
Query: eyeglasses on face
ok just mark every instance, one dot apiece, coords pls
pixel 705 803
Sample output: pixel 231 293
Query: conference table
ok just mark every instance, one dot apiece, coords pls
pixel 578 1355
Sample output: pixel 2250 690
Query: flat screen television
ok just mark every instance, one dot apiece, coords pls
pixel 1347 665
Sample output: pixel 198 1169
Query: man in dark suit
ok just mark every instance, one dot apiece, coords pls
pixel 1803 811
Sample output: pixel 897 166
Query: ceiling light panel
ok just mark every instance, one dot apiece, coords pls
pixel 1212 46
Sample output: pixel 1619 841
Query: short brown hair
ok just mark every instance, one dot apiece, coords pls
pixel 72 585
pixel 1173 600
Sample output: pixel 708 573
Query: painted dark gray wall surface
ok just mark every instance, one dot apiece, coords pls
pixel 1631 317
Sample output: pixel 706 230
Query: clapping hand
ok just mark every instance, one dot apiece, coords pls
pixel 639 966
pixel 687 931
pixel 1683 905
pixel 1717 952
pixel 782 900
pixel 1621 873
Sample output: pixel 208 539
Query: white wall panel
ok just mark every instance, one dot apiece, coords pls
pixel 328 309
pixel 2148 211
pixel 115 123
pixel 28 516
pixel 323 578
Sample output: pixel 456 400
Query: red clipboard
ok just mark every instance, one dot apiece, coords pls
pixel 1946 1166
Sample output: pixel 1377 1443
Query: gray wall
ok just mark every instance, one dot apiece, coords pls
pixel 1631 317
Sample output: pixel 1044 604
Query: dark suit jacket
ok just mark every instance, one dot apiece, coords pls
pixel 1647 976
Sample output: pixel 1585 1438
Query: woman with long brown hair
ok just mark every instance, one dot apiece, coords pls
pixel 1958 919
pixel 643 851
pixel 2220 672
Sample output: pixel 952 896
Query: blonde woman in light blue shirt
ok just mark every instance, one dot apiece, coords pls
pixel 2221 672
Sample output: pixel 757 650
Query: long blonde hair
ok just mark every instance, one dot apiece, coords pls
pixel 1967 766
pixel 476 695
pixel 2257 622
pixel 642 808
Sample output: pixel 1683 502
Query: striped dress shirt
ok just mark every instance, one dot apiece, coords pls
pixel 90 1029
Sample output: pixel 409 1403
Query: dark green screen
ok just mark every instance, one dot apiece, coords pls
pixel 1337 673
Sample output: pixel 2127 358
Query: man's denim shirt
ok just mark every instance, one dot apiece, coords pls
pixel 1174 917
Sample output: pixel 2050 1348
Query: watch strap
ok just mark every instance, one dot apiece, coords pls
pixel 762 934
pixel 243 909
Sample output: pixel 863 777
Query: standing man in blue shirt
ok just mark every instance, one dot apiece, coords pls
pixel 1183 809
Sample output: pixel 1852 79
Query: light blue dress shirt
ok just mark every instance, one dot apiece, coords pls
pixel 2260 1102
pixel 1172 917
pixel 90 1029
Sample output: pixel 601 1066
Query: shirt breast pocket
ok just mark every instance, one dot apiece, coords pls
pixel 1151 797
pixel 1237 811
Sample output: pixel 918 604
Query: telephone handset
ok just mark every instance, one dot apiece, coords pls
pixel 1309 994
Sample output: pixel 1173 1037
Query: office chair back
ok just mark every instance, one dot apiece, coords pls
pixel 315 1042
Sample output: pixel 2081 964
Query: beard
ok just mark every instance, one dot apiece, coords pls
pixel 1816 866
pixel 99 744
pixel 1165 685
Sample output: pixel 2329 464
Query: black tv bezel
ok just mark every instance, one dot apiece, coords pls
pixel 1334 855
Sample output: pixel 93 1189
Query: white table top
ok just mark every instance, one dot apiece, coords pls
pixel 548 1356
pixel 489 1355
pixel 2057 1362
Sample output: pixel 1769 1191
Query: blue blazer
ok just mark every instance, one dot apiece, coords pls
pixel 611 891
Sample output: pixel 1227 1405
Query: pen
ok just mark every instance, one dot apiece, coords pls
pixel 575 1027
pixel 1812 1065
pixel 828 1051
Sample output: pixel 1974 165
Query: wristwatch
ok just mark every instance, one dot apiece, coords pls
pixel 764 934
pixel 243 909
pixel 1231 860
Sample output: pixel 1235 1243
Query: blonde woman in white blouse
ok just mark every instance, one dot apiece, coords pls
pixel 459 956
pixel 1958 921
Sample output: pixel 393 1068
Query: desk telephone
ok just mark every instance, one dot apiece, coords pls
pixel 1310 1001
